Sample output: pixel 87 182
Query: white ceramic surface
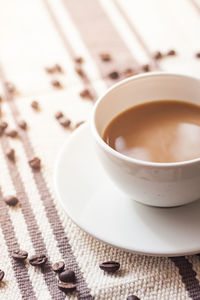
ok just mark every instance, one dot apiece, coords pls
pixel 96 205
pixel 157 184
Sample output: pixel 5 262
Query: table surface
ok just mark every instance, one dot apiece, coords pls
pixel 38 34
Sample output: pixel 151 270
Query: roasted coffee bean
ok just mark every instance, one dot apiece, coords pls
pixel 3 126
pixel 132 297
pixel 157 55
pixel 35 105
pixel 80 71
pixel 38 259
pixel 58 266
pixel 59 115
pixel 64 122
pixel 86 94
pixel 10 87
pixel 58 68
pixel 49 70
pixel 35 163
pixel 146 68
pixel 79 60
pixel 114 75
pixel 11 133
pixel 19 254
pixel 11 154
pixel 79 124
pixel 66 287
pixel 129 72
pixel 56 84
pixel 1 275
pixel 67 276
pixel 110 266
pixel 105 57
pixel 11 200
pixel 22 124
pixel 197 54
pixel 171 52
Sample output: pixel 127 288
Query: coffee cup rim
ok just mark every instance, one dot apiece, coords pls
pixel 121 156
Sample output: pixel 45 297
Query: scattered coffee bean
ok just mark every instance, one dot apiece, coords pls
pixel 67 276
pixel 79 124
pixel 11 200
pixel 64 122
pixel 35 163
pixel 157 55
pixel 22 124
pixel 146 68
pixel 38 259
pixel 58 68
pixel 1 275
pixel 132 297
pixel 197 54
pixel 12 133
pixel 105 57
pixel 86 94
pixel 11 154
pixel 35 105
pixel 3 126
pixel 114 75
pixel 79 60
pixel 110 266
pixel 56 84
pixel 171 52
pixel 59 115
pixel 58 266
pixel 129 72
pixel 80 72
pixel 49 70
pixel 20 254
pixel 66 287
pixel 10 87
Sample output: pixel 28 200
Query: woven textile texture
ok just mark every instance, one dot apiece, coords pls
pixel 36 35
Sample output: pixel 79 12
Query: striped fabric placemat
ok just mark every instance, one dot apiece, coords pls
pixel 36 35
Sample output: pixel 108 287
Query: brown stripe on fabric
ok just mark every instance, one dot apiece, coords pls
pixel 51 212
pixel 188 276
pixel 20 270
pixel 34 232
pixel 141 41
pixel 67 46
pixel 100 36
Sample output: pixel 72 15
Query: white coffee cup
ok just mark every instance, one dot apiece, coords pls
pixel 156 184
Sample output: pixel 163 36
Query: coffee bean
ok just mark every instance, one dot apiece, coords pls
pixel 197 54
pixel 56 84
pixel 80 72
pixel 157 55
pixel 1 275
pixel 129 72
pixel 11 133
pixel 132 297
pixel 58 266
pixel 10 87
pixel 22 124
pixel 67 276
pixel 38 259
pixel 35 163
pixel 11 200
pixel 86 94
pixel 54 69
pixel 64 122
pixel 110 266
pixel 105 57
pixel 49 70
pixel 66 287
pixel 79 124
pixel 171 52
pixel 3 126
pixel 11 154
pixel 35 105
pixel 79 60
pixel 19 254
pixel 59 115
pixel 58 68
pixel 114 75
pixel 146 68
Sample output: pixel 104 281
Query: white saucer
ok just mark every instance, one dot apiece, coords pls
pixel 96 205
